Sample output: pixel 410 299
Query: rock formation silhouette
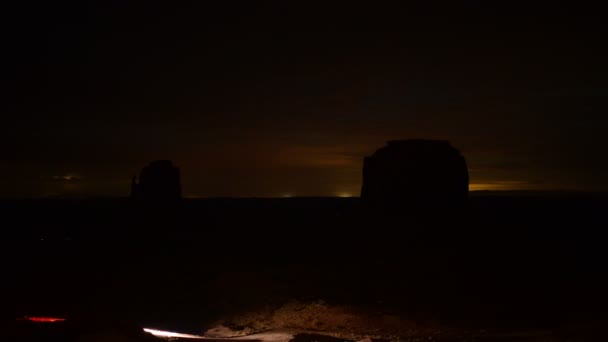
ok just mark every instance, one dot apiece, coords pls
pixel 159 180
pixel 415 170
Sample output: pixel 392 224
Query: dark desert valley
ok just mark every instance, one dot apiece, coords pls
pixel 285 172
pixel 384 266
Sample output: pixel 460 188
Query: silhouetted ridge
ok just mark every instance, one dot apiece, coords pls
pixel 415 170
pixel 159 180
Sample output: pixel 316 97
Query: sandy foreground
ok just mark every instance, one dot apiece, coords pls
pixel 295 322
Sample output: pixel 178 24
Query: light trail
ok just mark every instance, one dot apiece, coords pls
pixel 44 319
pixel 161 333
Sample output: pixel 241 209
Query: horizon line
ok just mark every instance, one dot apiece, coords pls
pixel 471 192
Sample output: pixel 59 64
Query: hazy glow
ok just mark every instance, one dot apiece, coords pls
pixel 345 194
pixel 162 333
pixel 67 177
pixel 501 185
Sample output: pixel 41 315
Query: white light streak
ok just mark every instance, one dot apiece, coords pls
pixel 161 333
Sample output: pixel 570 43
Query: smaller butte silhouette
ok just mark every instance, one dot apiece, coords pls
pixel 415 170
pixel 159 180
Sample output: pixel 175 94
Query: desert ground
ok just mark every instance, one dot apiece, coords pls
pixel 518 267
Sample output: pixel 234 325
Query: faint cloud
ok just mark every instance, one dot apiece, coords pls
pixel 577 92
pixel 68 177
pixel 318 156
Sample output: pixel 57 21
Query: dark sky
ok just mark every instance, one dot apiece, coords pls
pixel 257 98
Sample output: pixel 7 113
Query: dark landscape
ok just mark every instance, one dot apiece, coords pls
pixel 284 171
pixel 500 262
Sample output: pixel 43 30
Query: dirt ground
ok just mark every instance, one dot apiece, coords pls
pixel 318 321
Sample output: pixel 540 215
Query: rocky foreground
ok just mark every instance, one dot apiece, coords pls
pixel 295 322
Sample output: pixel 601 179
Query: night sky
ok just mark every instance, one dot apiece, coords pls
pixel 265 99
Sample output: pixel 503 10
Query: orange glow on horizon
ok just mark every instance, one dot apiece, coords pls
pixel 501 186
pixel 345 194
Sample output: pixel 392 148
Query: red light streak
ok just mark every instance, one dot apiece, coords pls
pixel 44 319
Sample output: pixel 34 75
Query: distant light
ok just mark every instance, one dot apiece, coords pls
pixel 286 195
pixel 345 194
pixel 44 319
pixel 68 177
pixel 161 333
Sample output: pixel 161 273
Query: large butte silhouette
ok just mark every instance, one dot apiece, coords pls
pixel 159 180
pixel 415 171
